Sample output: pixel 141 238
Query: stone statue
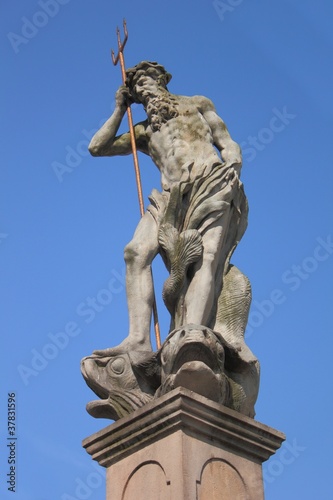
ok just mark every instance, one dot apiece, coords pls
pixel 195 223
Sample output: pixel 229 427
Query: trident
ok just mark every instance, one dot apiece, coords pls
pixel 120 57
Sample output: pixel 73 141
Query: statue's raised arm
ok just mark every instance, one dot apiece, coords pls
pixel 106 143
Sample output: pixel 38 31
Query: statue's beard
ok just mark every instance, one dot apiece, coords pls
pixel 160 109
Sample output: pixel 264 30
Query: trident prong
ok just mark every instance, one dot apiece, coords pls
pixel 121 45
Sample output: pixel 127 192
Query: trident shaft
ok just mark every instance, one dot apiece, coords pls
pixel 115 59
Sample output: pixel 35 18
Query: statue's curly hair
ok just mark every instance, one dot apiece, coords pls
pixel 152 69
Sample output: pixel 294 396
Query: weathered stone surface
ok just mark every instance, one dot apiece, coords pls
pixel 195 224
pixel 183 446
pixel 123 383
pixel 201 360
pixel 193 357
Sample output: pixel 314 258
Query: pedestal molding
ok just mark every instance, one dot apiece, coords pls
pixel 195 415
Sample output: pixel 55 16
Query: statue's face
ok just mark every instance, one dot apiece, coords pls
pixel 145 86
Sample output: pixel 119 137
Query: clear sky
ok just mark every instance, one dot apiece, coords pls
pixel 66 217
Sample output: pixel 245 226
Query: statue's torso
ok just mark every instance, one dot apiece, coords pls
pixel 179 136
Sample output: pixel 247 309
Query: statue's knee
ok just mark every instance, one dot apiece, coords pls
pixel 135 254
pixel 209 260
pixel 209 257
pixel 130 253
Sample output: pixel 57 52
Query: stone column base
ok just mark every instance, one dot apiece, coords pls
pixel 183 446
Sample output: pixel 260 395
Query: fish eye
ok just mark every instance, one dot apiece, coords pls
pixel 117 366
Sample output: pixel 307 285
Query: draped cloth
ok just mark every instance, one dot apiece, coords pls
pixel 186 212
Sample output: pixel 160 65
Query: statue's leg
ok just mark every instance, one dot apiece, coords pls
pixel 139 254
pixel 200 296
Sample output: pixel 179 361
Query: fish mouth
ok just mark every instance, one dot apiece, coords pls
pixel 195 351
pixel 101 409
pixel 88 370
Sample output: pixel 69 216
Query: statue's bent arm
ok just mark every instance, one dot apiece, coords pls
pixel 122 143
pixel 106 143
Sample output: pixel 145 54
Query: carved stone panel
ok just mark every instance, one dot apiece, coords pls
pixel 220 481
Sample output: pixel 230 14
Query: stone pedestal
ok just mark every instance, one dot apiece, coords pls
pixel 183 446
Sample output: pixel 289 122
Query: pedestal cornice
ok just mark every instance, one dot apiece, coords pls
pixel 196 416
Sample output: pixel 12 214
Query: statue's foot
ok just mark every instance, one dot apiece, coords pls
pixel 129 345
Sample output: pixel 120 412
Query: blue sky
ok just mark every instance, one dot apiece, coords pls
pixel 66 217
